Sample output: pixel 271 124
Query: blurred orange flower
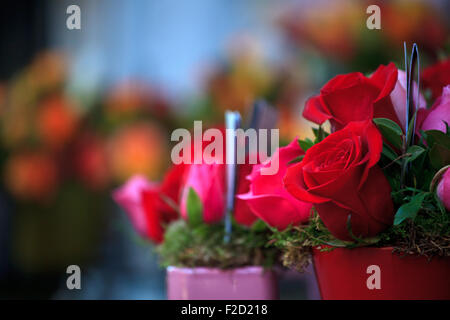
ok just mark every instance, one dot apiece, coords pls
pixel 90 161
pixel 48 70
pixel 138 148
pixel 338 30
pixel 413 21
pixel 31 175
pixel 131 96
pixel 56 121
pixel 332 27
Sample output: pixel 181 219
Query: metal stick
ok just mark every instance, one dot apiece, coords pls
pixel 232 122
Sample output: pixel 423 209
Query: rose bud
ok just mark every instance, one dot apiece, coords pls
pixel 208 181
pixel 341 178
pixel 443 189
pixel 151 206
pixel 398 97
pixel 435 117
pixel 129 197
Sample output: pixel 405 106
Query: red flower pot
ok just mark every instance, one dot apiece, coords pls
pixel 247 283
pixel 377 273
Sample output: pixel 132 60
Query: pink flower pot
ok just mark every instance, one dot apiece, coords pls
pixel 376 273
pixel 247 283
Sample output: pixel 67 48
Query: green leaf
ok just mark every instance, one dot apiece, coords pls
pixel 297 159
pixel 437 137
pixel 320 134
pixel 305 144
pixel 409 210
pixel 439 156
pixel 415 152
pixel 194 208
pixel 390 131
pixel 259 226
pixel 410 133
pixel 389 153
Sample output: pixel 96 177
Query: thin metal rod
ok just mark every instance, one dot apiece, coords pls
pixel 232 122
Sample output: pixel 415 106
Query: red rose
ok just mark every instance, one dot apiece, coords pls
pixel 436 77
pixel 173 182
pixel 354 97
pixel 242 212
pixel 341 177
pixel 151 206
pixel 269 200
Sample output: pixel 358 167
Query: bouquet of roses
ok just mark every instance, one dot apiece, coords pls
pixel 380 178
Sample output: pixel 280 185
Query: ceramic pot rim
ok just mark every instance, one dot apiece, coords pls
pixel 357 248
pixel 208 270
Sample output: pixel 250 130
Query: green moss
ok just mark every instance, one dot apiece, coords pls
pixel 203 246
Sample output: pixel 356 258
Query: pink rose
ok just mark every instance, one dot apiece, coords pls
pixel 443 189
pixel 129 197
pixel 433 118
pixel 208 181
pixel 398 97
pixel 146 202
pixel 269 200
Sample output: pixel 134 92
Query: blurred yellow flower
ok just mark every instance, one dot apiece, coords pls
pixel 245 78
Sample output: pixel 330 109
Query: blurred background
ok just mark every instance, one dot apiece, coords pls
pixel 83 110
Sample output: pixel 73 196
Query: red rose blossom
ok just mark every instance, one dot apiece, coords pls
pixel 268 199
pixel 354 97
pixel 436 77
pixel 341 178
pixel 242 212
